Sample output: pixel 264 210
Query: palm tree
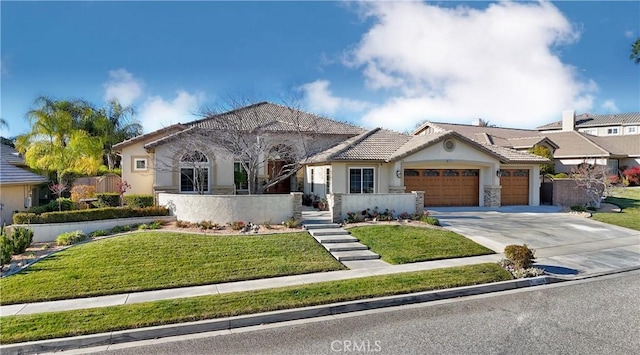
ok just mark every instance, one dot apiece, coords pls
pixel 3 123
pixel 635 51
pixel 55 142
pixel 117 125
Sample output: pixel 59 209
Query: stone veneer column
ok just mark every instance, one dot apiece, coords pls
pixel 335 206
pixel 297 205
pixel 419 200
pixel 492 196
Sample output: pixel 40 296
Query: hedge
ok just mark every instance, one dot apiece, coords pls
pixel 108 199
pixel 88 215
pixel 138 201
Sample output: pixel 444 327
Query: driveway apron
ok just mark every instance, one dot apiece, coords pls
pixel 564 243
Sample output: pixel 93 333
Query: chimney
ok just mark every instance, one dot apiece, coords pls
pixel 568 120
pixel 476 122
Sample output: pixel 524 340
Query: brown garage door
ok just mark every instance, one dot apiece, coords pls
pixel 450 187
pixel 515 187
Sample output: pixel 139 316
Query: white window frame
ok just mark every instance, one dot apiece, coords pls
pixel 591 131
pixel 361 168
pixel 135 164
pixel 631 129
pixel 193 166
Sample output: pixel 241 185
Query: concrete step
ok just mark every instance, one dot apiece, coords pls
pixel 328 231
pixel 355 255
pixel 321 225
pixel 323 239
pixel 311 221
pixel 344 246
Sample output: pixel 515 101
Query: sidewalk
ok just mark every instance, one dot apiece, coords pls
pixel 240 286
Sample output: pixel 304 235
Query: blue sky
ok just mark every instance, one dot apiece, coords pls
pixel 389 64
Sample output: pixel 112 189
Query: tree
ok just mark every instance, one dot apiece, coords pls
pixel 635 51
pixel 55 143
pixel 594 180
pixel 114 124
pixel 543 151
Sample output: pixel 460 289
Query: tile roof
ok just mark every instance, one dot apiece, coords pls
pixel 159 133
pixel 271 117
pixel 626 145
pixel 592 120
pixel 575 144
pixel 10 171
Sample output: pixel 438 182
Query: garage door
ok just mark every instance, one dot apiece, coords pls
pixel 515 187
pixel 445 187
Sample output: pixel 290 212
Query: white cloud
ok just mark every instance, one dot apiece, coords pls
pixel 629 34
pixel 123 86
pixel 610 106
pixel 456 64
pixel 157 112
pixel 320 99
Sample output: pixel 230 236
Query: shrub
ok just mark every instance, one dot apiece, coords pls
pixel 20 238
pixel 89 215
pixel 561 176
pixel 98 233
pixel 236 225
pixel 430 220
pixel 291 223
pixel 632 175
pixel 143 227
pixel 60 204
pixel 139 201
pixel 108 199
pixel 520 255
pixel 6 248
pixel 79 192
pixel 71 238
pixel 578 208
pixel 205 225
pixel 267 224
pixel 156 224
pixel 120 229
pixel 183 224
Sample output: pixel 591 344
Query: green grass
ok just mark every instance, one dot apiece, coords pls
pixel 405 244
pixel 629 200
pixel 98 320
pixel 157 260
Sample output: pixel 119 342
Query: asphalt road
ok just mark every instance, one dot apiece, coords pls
pixel 595 316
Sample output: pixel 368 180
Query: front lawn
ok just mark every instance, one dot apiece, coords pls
pixel 397 244
pixel 98 320
pixel 157 260
pixel 629 200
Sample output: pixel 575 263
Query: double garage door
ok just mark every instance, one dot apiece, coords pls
pixel 445 187
pixel 461 187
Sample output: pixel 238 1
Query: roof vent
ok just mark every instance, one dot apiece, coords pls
pixel 449 145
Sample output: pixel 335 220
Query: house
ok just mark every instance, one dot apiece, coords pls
pixel 596 125
pixel 570 147
pixel 18 185
pixel 196 157
pixel 451 168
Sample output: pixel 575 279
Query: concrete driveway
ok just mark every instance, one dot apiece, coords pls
pixel 564 243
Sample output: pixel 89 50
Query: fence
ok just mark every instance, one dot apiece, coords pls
pixel 105 183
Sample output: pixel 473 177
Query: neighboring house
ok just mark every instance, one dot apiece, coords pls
pixel 596 125
pixel 184 158
pixel 18 185
pixel 452 169
pixel 570 147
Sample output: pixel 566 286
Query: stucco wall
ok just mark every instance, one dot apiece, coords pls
pixel 141 181
pixel 567 193
pixel 12 198
pixel 224 208
pixel 48 232
pixel 397 202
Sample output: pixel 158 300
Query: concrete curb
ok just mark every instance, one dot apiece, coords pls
pixel 130 335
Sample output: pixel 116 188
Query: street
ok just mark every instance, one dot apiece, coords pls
pixel 594 316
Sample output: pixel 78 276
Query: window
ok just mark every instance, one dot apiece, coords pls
pixel 612 130
pixel 361 181
pixel 591 131
pixel 312 182
pixel 194 172
pixel 139 164
pixel 327 186
pixel 632 129
pixel 240 176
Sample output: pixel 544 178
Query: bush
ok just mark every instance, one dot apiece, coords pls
pixel 183 224
pixel 108 199
pixel 561 176
pixel 20 238
pixel 578 208
pixel 236 225
pixel 520 255
pixel 430 220
pixel 156 224
pixel 120 229
pixel 6 248
pixel 291 223
pixel 139 201
pixel 65 204
pixel 71 238
pixel 632 175
pixel 98 233
pixel 88 215
pixel 79 192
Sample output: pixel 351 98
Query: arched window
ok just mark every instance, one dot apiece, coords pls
pixel 194 172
